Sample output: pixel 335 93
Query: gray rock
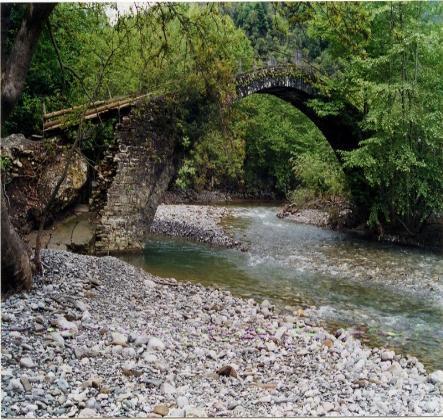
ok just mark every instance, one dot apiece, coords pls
pixel 191 411
pixel 270 345
pixel 26 362
pixel 116 350
pixel 7 317
pixel 26 383
pixel 182 402
pixel 327 407
pixel 91 403
pixel 66 326
pixel 58 339
pixel 119 339
pixel 81 306
pixel 78 397
pixel 63 385
pixel 176 412
pixel 128 353
pixel 168 389
pixel 387 355
pixel 155 344
pixel 149 357
pixel 436 377
pixel 433 406
pixel 87 413
pixel 141 339
pixel 16 385
pixel 30 408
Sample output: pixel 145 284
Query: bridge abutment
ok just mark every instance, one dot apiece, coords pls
pixel 133 177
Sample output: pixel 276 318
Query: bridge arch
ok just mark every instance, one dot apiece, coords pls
pixel 147 152
pixel 296 85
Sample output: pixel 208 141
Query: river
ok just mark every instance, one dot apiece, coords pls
pixel 390 295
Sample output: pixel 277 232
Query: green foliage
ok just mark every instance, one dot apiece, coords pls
pixel 320 176
pixel 393 73
pixel 5 163
pixel 76 30
pixel 273 131
pixel 272 30
pixel 255 153
pixel 26 117
pixel 386 59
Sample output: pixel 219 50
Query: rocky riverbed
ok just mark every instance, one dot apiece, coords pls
pixel 197 223
pixel 307 216
pixel 194 222
pixel 98 337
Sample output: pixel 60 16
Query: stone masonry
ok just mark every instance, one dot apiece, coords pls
pixel 138 175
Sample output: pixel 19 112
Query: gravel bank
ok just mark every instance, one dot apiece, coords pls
pixel 194 222
pixel 97 337
pixel 307 216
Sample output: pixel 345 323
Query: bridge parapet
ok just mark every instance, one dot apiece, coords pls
pixel 297 76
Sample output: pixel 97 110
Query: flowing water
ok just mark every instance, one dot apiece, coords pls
pixel 391 295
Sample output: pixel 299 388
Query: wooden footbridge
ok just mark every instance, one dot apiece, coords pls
pixel 58 120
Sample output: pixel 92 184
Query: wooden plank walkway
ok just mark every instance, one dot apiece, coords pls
pixel 57 120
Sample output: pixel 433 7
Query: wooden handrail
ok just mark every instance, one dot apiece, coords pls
pixel 97 108
pixel 67 110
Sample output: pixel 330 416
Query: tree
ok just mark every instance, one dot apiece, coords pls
pixel 386 59
pixel 16 266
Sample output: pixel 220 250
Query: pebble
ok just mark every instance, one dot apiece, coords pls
pixel 195 412
pixel 63 385
pixel 148 344
pixel 16 385
pixel 149 357
pixel 176 412
pixel 58 339
pixel 66 326
pixel 387 355
pixel 161 409
pixel 200 224
pixel 26 383
pixel 87 413
pixel 327 407
pixel 26 362
pixel 182 401
pixel 436 377
pixel 119 339
pixel 30 408
pixel 155 344
pixel 168 389
pixel 129 353
pixel 141 339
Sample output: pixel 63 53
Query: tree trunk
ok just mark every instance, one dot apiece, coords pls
pixel 15 67
pixel 16 268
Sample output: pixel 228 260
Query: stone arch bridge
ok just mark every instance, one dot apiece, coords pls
pixel 137 170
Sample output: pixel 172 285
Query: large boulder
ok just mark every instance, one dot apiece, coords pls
pixel 30 170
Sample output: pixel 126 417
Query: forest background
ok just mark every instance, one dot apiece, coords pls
pixel 384 58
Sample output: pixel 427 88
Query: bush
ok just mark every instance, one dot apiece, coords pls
pixel 320 177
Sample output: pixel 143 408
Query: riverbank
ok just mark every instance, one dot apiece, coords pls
pixel 98 337
pixel 306 216
pixel 340 218
pixel 193 222
pixel 198 223
pixel 214 197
